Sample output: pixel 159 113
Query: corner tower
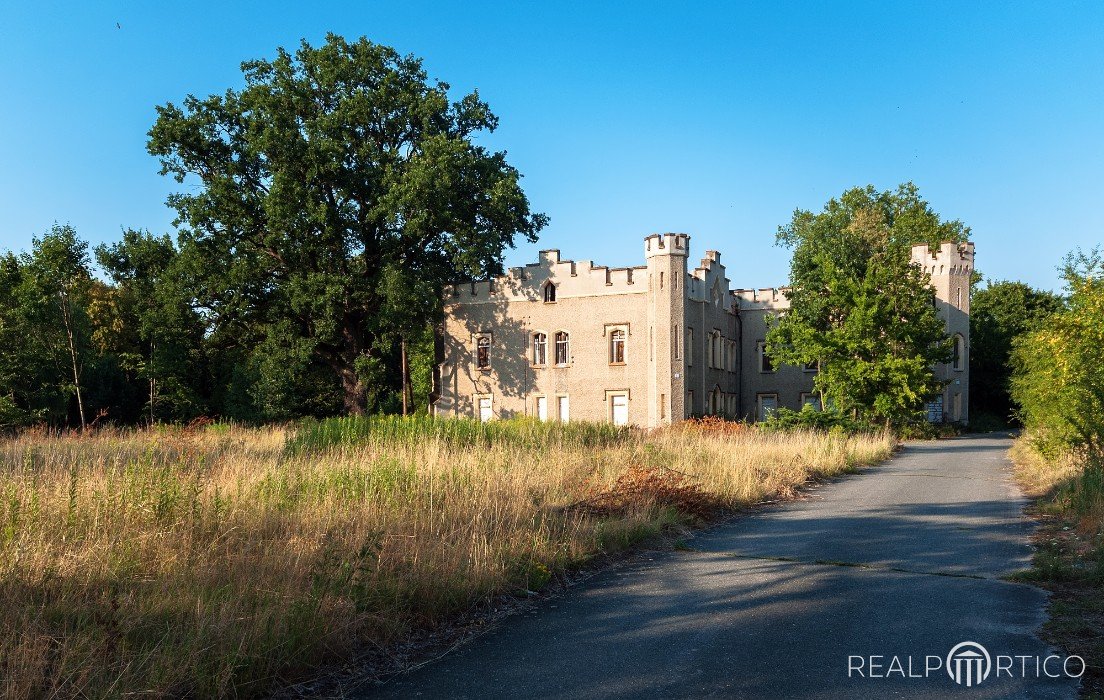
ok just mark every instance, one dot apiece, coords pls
pixel 951 266
pixel 665 254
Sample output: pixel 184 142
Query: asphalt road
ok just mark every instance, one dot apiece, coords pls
pixel 903 560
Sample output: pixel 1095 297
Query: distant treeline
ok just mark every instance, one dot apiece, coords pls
pixel 128 344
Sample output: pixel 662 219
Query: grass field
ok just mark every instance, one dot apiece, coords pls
pixel 1069 555
pixel 225 561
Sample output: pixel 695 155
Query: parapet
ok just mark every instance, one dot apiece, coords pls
pixel 767 298
pixel 949 258
pixel 666 244
pixel 572 279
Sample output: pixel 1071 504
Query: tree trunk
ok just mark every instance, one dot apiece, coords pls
pixel 67 319
pixel 152 382
pixel 353 390
pixel 405 377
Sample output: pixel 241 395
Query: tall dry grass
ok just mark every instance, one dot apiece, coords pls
pixel 227 560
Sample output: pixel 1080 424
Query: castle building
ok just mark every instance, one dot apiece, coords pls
pixel 646 345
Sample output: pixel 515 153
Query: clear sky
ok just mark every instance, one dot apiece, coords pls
pixel 626 118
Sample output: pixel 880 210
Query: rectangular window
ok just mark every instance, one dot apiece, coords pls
pixel 813 400
pixel 690 402
pixel 485 408
pixel 483 353
pixel 689 346
pixel 540 349
pixel 767 404
pixel 619 409
pixel 765 364
pixel 617 347
pixel 542 407
pixel 677 344
pixel 662 406
pixel 563 349
pixel 562 408
pixel 811 367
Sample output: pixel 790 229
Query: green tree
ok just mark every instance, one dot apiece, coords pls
pixel 20 363
pixel 1000 312
pixel 51 305
pixel 859 308
pixel 332 174
pixel 1058 368
pixel 145 320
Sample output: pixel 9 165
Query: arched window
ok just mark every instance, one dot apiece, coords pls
pixel 959 352
pixel 563 348
pixel 617 347
pixel 549 292
pixel 483 353
pixel 540 349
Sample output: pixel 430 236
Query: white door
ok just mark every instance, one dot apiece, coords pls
pixel 542 407
pixel 620 409
pixel 563 408
pixel 485 413
pixel 767 406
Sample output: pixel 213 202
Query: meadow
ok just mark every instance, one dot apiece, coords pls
pixel 223 560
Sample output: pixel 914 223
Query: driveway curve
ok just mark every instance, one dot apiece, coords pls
pixel 902 561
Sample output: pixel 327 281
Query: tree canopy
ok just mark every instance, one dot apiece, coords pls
pixel 859 308
pixel 338 186
pixel 1000 312
pixel 1058 379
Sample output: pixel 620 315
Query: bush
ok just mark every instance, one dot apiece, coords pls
pixel 785 419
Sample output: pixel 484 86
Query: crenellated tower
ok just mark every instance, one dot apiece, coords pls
pixel 951 266
pixel 665 254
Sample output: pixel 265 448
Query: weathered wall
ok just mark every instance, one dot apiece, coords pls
pixel 590 302
pixel 673 366
pixel 788 382
pixel 712 377
pixel 950 267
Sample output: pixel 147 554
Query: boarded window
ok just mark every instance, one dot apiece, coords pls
pixel 562 408
pixel 542 407
pixel 619 409
pixel 485 411
pixel 768 404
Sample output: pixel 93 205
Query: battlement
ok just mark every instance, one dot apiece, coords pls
pixel 949 258
pixel 667 244
pixel 572 279
pixel 766 298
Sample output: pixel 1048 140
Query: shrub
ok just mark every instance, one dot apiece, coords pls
pixel 785 419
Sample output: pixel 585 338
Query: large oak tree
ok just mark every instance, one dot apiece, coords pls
pixel 338 185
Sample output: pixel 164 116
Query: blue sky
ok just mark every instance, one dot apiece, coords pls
pixel 713 119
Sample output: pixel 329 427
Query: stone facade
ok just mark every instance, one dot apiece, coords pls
pixel 647 345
